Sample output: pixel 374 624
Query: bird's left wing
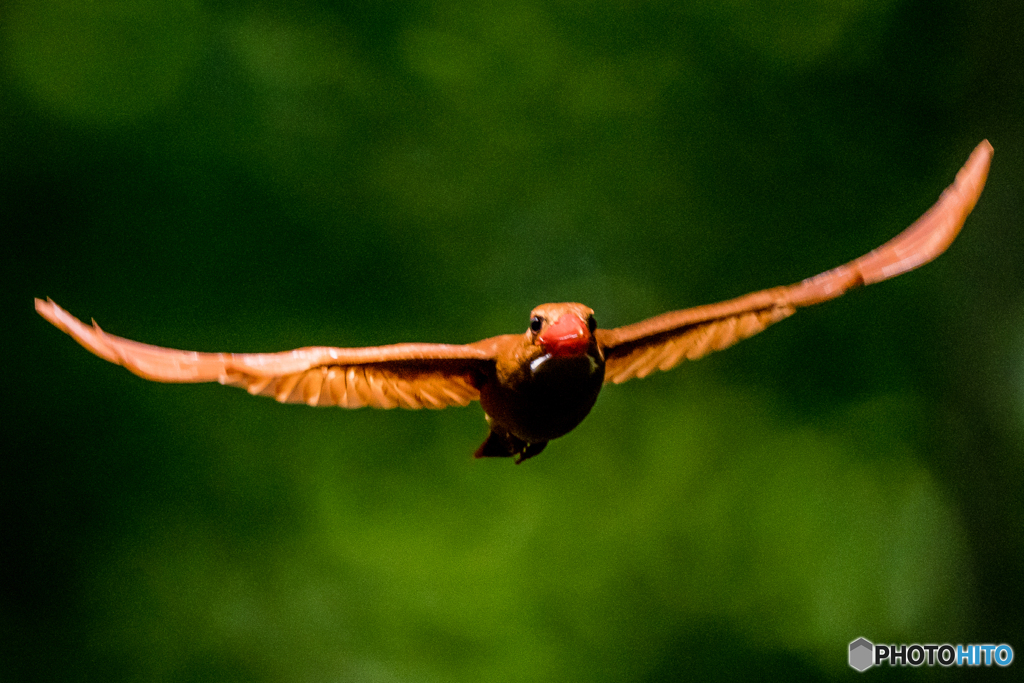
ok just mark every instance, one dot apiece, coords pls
pixel 395 376
pixel 662 342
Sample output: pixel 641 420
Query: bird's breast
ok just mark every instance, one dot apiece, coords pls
pixel 547 397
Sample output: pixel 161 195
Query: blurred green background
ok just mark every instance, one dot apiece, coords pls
pixel 257 176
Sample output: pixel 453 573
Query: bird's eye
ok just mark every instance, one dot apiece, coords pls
pixel 536 322
pixel 591 324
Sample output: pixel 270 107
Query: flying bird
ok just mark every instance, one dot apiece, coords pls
pixel 539 385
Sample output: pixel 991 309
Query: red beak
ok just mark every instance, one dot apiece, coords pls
pixel 567 336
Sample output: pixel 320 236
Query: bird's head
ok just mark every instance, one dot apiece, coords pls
pixel 562 330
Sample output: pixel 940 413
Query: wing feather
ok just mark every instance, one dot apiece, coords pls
pixel 399 375
pixel 662 342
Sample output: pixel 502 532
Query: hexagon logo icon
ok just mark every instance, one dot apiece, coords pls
pixel 862 653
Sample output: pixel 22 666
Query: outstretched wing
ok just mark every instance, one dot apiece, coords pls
pixel 396 376
pixel 662 342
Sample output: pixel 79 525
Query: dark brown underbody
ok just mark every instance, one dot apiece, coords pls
pixel 549 398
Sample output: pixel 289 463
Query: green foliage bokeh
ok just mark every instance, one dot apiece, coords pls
pixel 256 176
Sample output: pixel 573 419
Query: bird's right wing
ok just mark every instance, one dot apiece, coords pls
pixel 664 341
pixel 395 376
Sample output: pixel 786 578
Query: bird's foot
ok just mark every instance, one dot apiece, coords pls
pixel 504 445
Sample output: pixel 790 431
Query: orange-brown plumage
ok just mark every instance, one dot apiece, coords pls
pixel 539 385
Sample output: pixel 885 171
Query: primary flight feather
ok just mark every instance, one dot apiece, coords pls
pixel 536 386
